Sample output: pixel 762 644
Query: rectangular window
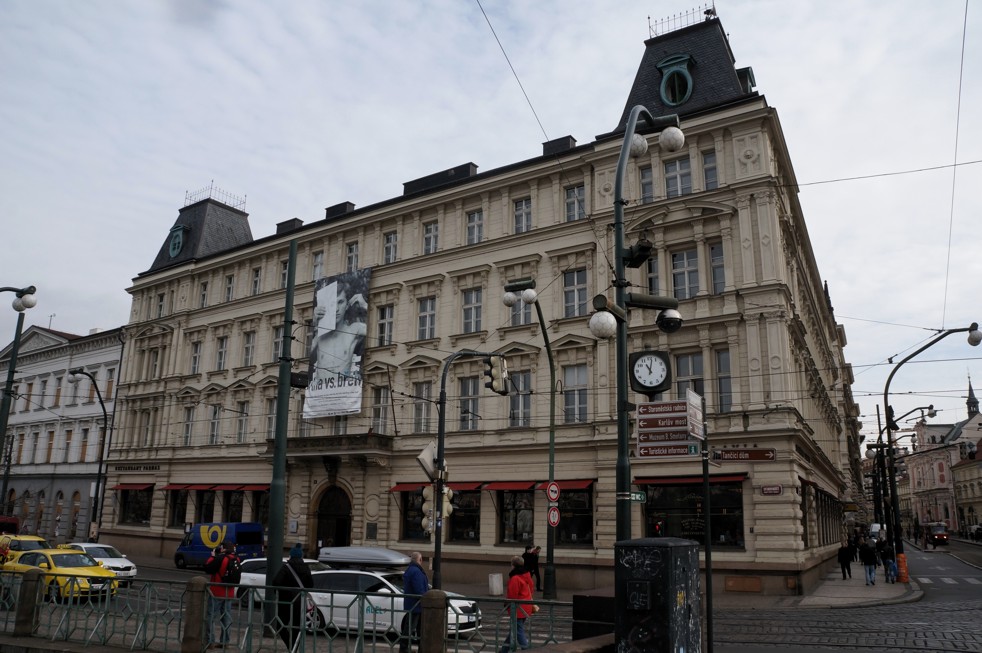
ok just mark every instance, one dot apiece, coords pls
pixel 160 305
pixel 575 208
pixel 677 511
pixel 340 425
pixel 685 274
pixel 688 374
pixel 724 382
pixel 521 313
pixel 284 273
pixel 390 247
pixel 135 506
pixel 188 425
pixel 177 508
pixel 195 357
pixel 43 394
pixel 57 400
pixel 422 406
pixel 248 348
pixel 717 268
pixel 426 326
pixel 465 520
pixel 270 418
pixel 317 270
pixel 574 293
pixel 257 280
pixel 203 294
pixel 412 516
pixel 678 178
pixel 472 310
pixel 83 445
pixel 709 169
pixel 93 385
pixel 574 394
pixel 229 287
pixel 523 215
pixel 576 515
pixel 520 401
pixel 221 353
pixel 214 424
pixel 242 421
pixel 205 504
pixel 154 363
pixel 277 342
pixel 386 323
pixel 431 237
pixel 468 403
pixel 380 409
pixel 110 380
pixel 647 185
pixel 475 227
pixel 653 280
pixel 351 256
pixel 517 516
pixel 68 445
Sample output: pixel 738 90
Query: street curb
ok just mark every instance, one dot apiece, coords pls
pixel 913 595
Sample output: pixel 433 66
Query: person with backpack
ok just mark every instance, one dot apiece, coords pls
pixel 225 571
pixel 291 603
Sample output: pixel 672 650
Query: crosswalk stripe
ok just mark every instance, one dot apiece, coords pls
pixel 973 581
pixel 926 581
pixel 949 581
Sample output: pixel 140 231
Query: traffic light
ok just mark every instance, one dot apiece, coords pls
pixel 427 508
pixel 496 369
pixel 659 529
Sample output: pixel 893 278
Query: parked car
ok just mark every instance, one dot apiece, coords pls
pixel 68 573
pixel 937 534
pixel 10 544
pixel 254 577
pixel 347 599
pixel 109 557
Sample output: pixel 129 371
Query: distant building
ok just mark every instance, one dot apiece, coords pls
pixel 760 342
pixel 55 429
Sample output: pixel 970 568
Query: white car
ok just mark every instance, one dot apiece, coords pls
pixel 254 576
pixel 353 599
pixel 109 557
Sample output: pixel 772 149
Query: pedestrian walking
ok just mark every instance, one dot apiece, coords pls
pixel 888 557
pixel 414 585
pixel 291 602
pixel 225 572
pixel 519 589
pixel 867 556
pixel 530 559
pixel 845 559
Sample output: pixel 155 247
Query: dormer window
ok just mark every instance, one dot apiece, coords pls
pixel 676 82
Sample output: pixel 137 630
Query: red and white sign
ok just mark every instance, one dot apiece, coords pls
pixel 552 491
pixel 553 516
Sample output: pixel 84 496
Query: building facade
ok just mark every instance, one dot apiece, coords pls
pixel 56 428
pixel 728 240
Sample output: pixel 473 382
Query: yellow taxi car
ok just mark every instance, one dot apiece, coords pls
pixel 11 544
pixel 68 573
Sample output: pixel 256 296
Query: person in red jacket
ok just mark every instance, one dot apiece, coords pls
pixel 222 595
pixel 519 589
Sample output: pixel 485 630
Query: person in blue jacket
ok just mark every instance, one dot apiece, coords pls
pixel 414 585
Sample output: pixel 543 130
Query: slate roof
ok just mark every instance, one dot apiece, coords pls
pixel 716 80
pixel 210 227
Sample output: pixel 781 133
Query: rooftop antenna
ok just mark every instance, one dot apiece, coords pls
pixel 51 317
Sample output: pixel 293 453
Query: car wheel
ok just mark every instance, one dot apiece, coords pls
pixel 315 621
pixel 180 562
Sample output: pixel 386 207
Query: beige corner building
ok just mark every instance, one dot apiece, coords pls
pixel 760 342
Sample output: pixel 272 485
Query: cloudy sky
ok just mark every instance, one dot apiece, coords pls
pixel 110 111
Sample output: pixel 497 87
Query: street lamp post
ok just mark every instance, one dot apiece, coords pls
pixel 974 338
pixel 25 299
pixel 99 496
pixel 611 319
pixel 529 296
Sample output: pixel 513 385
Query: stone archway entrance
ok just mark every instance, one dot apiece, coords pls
pixel 334 518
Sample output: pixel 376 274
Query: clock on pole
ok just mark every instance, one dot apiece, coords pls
pixel 651 372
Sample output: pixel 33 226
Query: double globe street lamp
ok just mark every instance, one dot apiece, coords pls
pixel 25 299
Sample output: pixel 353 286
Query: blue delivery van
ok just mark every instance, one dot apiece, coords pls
pixel 201 539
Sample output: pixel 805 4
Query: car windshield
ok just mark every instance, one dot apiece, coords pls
pixel 103 552
pixel 73 560
pixel 28 545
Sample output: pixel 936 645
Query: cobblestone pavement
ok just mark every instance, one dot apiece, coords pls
pixel 921 627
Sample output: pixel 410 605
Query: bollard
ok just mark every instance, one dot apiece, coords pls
pixel 902 573
pixel 433 622
pixel 31 593
pixel 195 613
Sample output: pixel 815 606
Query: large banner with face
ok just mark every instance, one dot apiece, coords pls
pixel 336 343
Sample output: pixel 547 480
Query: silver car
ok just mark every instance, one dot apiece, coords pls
pixel 254 577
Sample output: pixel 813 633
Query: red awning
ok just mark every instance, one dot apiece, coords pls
pixel 406 487
pixel 206 486
pixel 175 486
pixel 457 487
pixel 234 486
pixel 258 487
pixel 509 485
pixel 133 486
pixel 567 485
pixel 690 480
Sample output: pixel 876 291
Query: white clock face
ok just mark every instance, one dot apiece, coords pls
pixel 650 371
